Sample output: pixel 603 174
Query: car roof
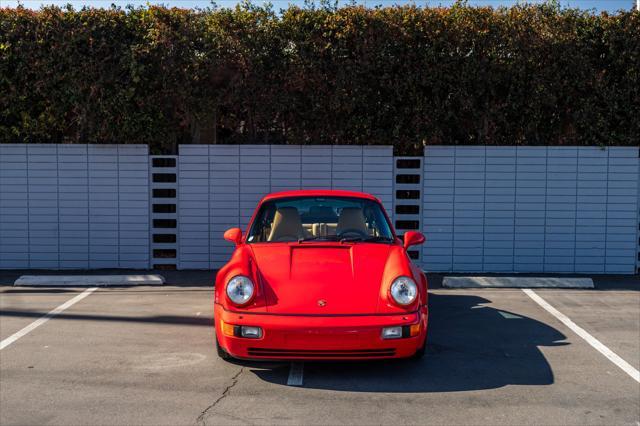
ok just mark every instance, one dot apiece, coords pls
pixel 318 193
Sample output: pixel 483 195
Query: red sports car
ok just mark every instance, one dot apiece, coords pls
pixel 320 275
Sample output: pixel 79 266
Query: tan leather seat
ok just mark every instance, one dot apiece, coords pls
pixel 286 225
pixel 352 219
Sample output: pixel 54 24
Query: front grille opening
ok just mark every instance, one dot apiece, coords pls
pixel 311 353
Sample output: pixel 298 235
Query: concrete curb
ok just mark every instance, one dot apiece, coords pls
pixel 87 280
pixel 516 282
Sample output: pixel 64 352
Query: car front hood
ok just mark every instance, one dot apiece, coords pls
pixel 321 279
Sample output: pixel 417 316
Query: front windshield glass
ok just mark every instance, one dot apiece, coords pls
pixel 320 219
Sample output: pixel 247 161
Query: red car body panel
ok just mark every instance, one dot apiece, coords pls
pixel 340 311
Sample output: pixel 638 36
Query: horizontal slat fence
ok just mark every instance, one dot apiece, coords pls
pixel 239 176
pixel 531 209
pixel 74 206
pixel 484 209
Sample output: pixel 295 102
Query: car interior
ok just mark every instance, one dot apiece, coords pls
pixel 288 224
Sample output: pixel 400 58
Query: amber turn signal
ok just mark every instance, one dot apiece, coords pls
pixel 227 329
pixel 414 330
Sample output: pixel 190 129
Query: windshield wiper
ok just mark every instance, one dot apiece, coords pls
pixel 319 238
pixel 374 239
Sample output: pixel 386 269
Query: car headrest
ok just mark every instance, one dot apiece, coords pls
pixel 286 225
pixel 351 218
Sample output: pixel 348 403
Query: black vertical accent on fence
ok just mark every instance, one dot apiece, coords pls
pixel 163 208
pixel 407 193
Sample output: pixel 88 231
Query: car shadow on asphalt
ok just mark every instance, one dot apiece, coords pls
pixel 471 346
pixel 203 321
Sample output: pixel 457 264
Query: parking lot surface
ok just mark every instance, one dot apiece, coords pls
pixel 145 355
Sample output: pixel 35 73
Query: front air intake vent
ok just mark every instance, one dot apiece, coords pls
pixel 313 353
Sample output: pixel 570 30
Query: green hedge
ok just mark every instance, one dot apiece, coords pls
pixel 408 76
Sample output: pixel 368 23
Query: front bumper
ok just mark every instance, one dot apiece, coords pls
pixel 320 337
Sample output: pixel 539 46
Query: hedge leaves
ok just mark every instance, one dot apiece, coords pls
pixel 408 76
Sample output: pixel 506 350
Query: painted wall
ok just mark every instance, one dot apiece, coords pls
pixel 220 186
pixel 74 206
pixel 531 209
pixel 484 209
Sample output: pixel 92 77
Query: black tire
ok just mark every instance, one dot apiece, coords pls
pixel 421 351
pixel 221 352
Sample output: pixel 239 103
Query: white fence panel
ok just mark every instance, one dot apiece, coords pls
pixel 193 207
pixel 103 206
pixel 483 209
pixel 133 206
pixel 622 245
pixel 43 206
pixel 73 203
pixel 377 174
pixel 346 167
pixel 240 175
pixel 437 207
pixel 591 210
pixel 224 199
pixel 14 207
pixel 499 204
pixel 531 209
pixel 286 168
pixel 560 214
pixel 316 167
pixel 468 208
pixel 255 169
pixel 74 206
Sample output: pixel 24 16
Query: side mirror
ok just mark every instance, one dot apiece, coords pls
pixel 234 235
pixel 413 238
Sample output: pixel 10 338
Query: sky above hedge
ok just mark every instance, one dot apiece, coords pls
pixel 597 5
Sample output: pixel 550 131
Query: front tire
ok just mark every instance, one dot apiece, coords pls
pixel 221 352
pixel 421 351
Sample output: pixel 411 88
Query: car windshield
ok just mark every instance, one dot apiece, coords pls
pixel 320 219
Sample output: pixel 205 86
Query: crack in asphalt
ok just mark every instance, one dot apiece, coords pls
pixel 234 380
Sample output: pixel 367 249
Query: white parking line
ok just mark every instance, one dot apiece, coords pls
pixel 296 374
pixel 37 323
pixel 621 363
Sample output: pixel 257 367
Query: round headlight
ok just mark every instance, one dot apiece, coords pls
pixel 240 289
pixel 404 291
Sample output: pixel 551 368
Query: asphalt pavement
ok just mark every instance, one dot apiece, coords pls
pixel 145 355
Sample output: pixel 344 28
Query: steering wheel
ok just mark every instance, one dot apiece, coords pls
pixel 358 232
